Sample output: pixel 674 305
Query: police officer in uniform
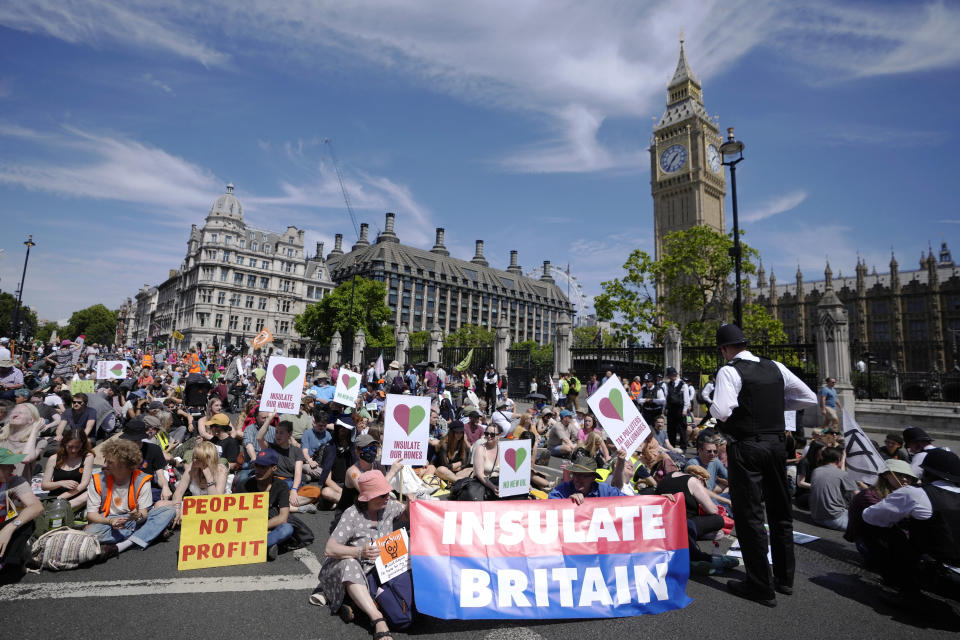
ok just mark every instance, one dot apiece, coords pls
pixel 651 400
pixel 750 397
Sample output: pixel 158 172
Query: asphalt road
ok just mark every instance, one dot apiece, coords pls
pixel 141 594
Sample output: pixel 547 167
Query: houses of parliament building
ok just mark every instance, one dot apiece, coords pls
pixel 908 319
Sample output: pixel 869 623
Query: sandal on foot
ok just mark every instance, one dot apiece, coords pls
pixel 379 635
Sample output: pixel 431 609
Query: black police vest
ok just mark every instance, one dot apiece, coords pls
pixel 760 400
pixel 649 394
pixel 939 536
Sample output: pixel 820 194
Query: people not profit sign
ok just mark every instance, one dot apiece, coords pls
pixel 112 369
pixel 222 530
pixel 348 386
pixel 283 385
pixel 406 429
pixel 618 416
pixel 537 559
pixel 514 466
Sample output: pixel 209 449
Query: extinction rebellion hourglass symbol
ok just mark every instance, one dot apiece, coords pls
pixel 391 547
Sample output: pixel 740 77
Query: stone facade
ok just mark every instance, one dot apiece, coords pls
pixel 234 281
pixel 906 319
pixel 428 290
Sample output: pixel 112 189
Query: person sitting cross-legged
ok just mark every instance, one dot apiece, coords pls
pixel 120 502
pixel 583 484
pixel 278 500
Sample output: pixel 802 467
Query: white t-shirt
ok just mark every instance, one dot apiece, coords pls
pixel 119 500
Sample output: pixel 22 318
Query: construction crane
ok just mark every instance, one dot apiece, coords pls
pixel 343 189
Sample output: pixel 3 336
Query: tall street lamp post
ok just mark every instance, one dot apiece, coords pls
pixel 16 316
pixel 732 151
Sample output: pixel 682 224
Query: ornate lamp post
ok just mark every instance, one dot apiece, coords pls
pixel 732 151
pixel 16 316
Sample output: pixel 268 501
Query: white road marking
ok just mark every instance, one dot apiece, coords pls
pixel 513 633
pixel 167 586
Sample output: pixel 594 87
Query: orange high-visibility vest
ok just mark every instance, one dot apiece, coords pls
pixel 194 361
pixel 131 494
pixel 147 361
pixel 635 389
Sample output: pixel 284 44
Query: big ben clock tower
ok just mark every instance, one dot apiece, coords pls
pixel 686 174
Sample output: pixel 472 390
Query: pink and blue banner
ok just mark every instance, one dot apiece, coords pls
pixel 609 557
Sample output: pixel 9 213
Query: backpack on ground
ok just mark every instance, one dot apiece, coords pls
pixel 395 598
pixel 64 549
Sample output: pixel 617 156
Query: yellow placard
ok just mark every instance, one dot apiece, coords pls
pixel 82 386
pixel 223 530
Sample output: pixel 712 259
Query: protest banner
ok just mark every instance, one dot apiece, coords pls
pixel 472 397
pixel 81 386
pixel 541 559
pixel 406 429
pixel 863 462
pixel 347 388
pixel 112 369
pixel 283 385
pixel 514 464
pixel 554 392
pixel 790 420
pixel 222 530
pixel 618 415
pixel 394 556
pixel 261 339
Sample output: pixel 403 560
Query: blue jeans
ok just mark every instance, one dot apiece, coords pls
pixel 839 523
pixel 279 534
pixel 157 520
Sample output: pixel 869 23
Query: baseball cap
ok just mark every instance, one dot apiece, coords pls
pixel 346 422
pixel 364 440
pixel 266 458
pixel 219 420
pixel 565 413
pixel 156 404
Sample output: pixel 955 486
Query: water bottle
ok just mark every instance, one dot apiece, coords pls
pixel 59 513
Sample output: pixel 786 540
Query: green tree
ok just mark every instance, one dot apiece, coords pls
pixel 760 327
pixel 587 337
pixel 46 330
pixel 541 355
pixel 98 323
pixel 629 303
pixel 697 267
pixel 334 313
pixel 28 319
pixel 469 335
pixel 419 339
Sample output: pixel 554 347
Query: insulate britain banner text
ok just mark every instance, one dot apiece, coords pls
pixel 608 557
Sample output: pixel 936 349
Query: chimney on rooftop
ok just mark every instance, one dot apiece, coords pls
pixel 319 251
pixel 478 257
pixel 546 277
pixel 337 246
pixel 388 234
pixel 438 244
pixel 514 267
pixel 363 241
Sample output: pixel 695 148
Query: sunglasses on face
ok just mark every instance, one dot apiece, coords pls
pixel 491 434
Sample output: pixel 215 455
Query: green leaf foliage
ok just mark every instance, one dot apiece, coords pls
pixel 469 335
pixel 354 304
pixel 592 336
pixel 98 323
pixel 28 319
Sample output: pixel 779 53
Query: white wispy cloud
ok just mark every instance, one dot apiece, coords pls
pixel 158 84
pixel 100 22
pixel 572 66
pixel 774 206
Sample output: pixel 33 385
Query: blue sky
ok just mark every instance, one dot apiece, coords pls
pixel 522 123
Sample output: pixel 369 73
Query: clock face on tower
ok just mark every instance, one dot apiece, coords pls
pixel 673 158
pixel 713 158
